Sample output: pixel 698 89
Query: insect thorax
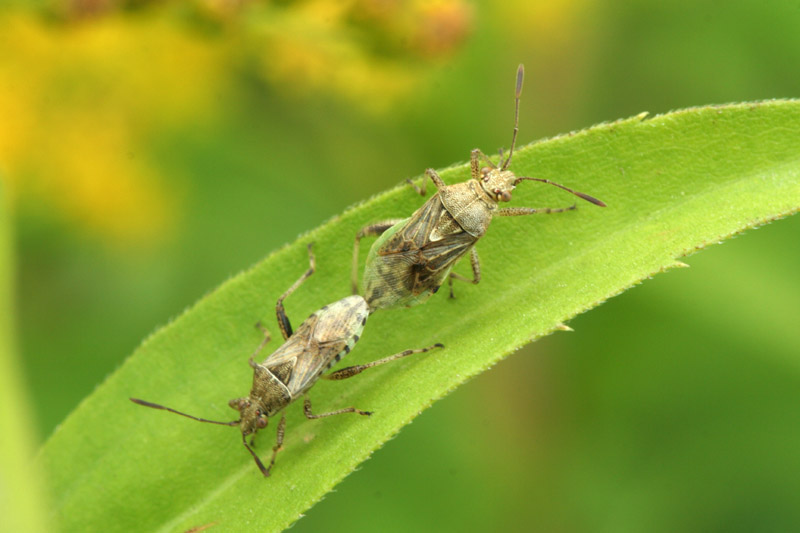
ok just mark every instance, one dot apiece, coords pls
pixel 469 205
pixel 270 392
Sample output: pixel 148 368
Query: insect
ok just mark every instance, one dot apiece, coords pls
pixel 413 256
pixel 321 341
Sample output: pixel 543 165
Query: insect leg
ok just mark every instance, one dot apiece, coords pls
pixel 283 320
pixel 260 465
pixel 476 272
pixel 311 416
pixel 351 371
pixel 373 230
pixel 475 158
pixel 519 211
pixel 264 342
pixel 278 441
pixel 429 173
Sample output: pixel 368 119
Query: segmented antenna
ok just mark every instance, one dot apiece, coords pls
pixel 231 423
pixel 163 408
pixel 586 197
pixel 520 76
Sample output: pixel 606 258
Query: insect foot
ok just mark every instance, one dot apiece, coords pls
pixel 288 373
pixel 412 257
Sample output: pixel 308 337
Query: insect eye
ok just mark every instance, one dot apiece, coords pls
pixel 502 196
pixel 237 403
pixel 261 422
pixel 485 173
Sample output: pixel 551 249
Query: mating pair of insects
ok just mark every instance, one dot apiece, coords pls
pixel 408 262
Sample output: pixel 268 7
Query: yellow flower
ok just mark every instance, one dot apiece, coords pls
pixel 79 107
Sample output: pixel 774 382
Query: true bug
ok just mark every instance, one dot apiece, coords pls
pixel 292 369
pixel 413 256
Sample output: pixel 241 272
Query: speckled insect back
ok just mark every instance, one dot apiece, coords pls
pixel 414 256
pixel 320 342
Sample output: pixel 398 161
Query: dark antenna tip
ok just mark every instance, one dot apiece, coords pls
pixel 142 402
pixel 586 197
pixel 591 199
pixel 520 76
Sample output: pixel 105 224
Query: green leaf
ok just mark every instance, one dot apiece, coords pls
pixel 21 494
pixel 673 184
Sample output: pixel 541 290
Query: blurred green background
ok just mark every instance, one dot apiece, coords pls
pixel 154 149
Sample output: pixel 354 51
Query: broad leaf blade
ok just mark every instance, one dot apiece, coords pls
pixel 673 184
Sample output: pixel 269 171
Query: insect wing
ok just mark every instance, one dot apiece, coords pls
pixel 325 338
pixel 444 254
pixel 411 260
pixel 294 347
pixel 415 231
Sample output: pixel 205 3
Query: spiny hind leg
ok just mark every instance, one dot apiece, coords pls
pixel 283 320
pixel 373 230
pixel 311 416
pixel 351 371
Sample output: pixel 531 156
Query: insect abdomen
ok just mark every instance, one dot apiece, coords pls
pixel 339 325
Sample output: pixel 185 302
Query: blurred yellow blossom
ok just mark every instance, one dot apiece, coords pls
pixel 368 51
pixel 82 96
pixel 79 103
pixel 429 29
pixel 545 24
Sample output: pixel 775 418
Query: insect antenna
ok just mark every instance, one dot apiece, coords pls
pixel 586 197
pixel 260 465
pixel 520 75
pixel 163 408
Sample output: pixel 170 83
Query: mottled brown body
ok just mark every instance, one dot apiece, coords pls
pixel 414 256
pixel 289 372
pixel 319 343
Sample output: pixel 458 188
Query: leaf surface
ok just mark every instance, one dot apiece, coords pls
pixel 673 184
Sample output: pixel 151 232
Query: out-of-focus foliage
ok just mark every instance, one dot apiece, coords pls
pixel 22 505
pixel 104 79
pixel 78 109
pixel 154 148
